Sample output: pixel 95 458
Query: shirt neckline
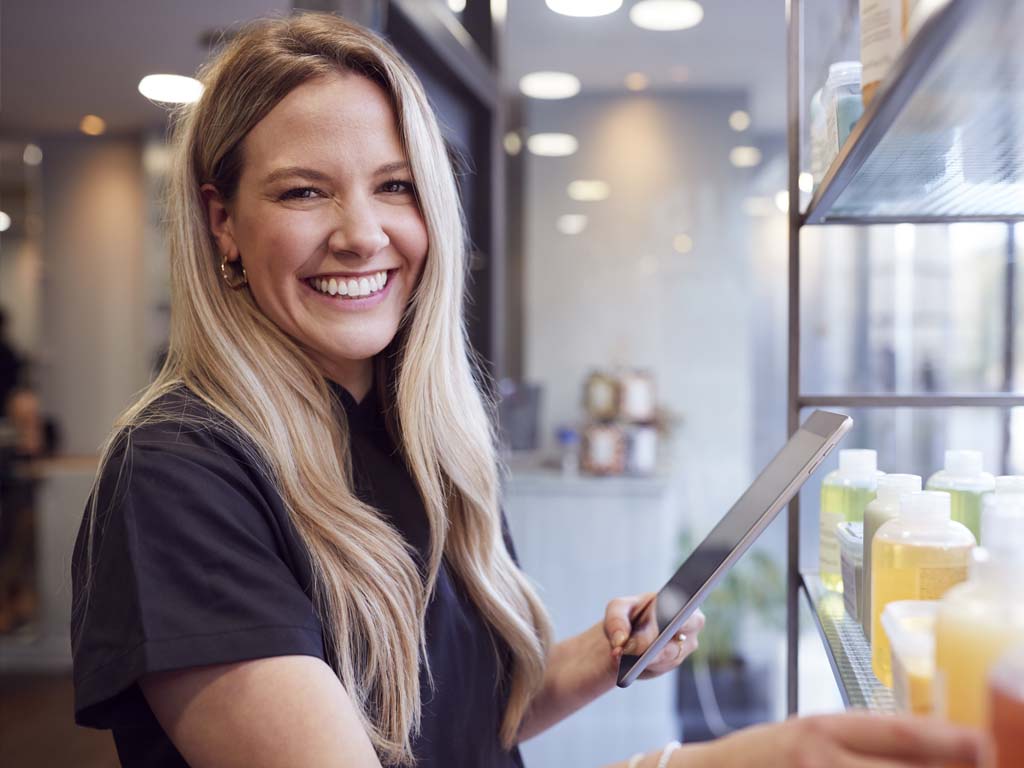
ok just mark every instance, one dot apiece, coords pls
pixel 364 415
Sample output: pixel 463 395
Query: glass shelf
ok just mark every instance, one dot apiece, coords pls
pixel 943 139
pixel 848 651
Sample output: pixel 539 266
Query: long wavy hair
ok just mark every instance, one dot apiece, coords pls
pixel 368 590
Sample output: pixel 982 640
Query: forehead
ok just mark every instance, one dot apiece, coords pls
pixel 341 117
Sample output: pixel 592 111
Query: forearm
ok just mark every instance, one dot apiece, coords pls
pixel 578 670
pixel 702 755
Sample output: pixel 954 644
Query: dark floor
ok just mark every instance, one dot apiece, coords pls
pixel 37 729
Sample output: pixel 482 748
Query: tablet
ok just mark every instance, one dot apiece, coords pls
pixel 734 534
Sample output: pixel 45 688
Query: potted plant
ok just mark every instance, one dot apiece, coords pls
pixel 718 689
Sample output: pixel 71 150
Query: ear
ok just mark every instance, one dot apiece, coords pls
pixel 220 221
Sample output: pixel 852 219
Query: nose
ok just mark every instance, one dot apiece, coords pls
pixel 357 231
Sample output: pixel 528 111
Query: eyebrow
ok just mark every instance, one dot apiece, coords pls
pixel 315 175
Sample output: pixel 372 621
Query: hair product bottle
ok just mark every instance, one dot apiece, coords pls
pixel 982 618
pixel 966 481
pixel 918 555
pixel 883 508
pixel 845 493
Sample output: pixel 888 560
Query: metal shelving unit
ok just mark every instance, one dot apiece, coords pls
pixel 942 142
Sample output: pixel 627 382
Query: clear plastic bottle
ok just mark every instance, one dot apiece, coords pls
pixel 884 507
pixel 842 103
pixel 844 494
pixel 981 619
pixel 918 555
pixel 1006 485
pixel 966 481
pixel 1007 707
pixel 819 138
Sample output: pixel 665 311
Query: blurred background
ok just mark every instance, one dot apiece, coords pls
pixel 629 223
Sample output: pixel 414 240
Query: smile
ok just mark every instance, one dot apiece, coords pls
pixel 354 288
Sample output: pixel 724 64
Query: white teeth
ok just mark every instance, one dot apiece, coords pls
pixel 356 288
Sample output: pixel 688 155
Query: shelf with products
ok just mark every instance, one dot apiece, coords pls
pixel 848 650
pixel 943 139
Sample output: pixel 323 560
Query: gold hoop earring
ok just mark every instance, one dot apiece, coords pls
pixel 234 281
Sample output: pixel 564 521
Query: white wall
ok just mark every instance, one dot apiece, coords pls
pixel 618 293
pixel 93 357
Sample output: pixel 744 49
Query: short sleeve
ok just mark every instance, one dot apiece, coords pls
pixel 194 563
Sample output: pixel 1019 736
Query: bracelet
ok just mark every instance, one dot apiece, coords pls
pixel 634 761
pixel 671 747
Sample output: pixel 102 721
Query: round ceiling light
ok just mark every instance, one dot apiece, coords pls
pixel 32 155
pixel 549 85
pixel 171 89
pixel 666 15
pixel 589 190
pixel 745 157
pixel 739 120
pixel 5 222
pixel 92 125
pixel 552 144
pixel 584 8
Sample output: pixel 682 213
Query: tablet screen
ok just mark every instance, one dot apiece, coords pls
pixel 762 497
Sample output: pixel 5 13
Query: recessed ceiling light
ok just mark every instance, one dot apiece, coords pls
pixel 806 182
pixel 552 144
pixel 92 125
pixel 584 7
pixel 782 200
pixel 549 85
pixel 739 120
pixel 32 155
pixel 457 6
pixel 572 223
pixel 513 144
pixel 589 190
pixel 666 15
pixel 745 157
pixel 637 81
pixel 171 89
pixel 5 222
pixel 682 243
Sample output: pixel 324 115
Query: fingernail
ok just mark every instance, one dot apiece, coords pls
pixel 618 638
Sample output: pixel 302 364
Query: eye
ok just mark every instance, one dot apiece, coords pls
pixel 300 193
pixel 404 187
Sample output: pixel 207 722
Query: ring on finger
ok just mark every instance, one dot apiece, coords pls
pixel 681 637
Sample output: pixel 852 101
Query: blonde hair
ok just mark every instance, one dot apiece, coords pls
pixel 368 590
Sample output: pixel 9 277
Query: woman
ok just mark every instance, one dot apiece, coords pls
pixel 294 553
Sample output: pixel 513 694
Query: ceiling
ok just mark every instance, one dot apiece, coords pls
pixel 61 59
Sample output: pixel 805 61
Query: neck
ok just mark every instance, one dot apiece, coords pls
pixel 356 376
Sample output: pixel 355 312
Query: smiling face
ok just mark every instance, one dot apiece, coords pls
pixel 326 223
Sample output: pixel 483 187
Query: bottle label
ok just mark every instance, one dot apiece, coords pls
pixel 881 37
pixel 829 547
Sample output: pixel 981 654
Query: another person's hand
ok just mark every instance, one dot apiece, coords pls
pixel 851 740
pixel 618 626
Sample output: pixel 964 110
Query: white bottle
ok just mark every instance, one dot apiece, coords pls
pixel 967 483
pixel 819 139
pixel 844 494
pixel 1006 486
pixel 884 507
pixel 981 619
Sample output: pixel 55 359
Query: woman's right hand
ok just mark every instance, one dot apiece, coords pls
pixel 851 740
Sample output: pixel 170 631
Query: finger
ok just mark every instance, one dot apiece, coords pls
pixel 671 656
pixel 902 737
pixel 617 623
pixel 694 624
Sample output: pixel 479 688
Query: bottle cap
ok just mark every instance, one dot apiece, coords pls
pixel 925 506
pixel 858 463
pixel 844 73
pixel 1010 484
pixel 964 463
pixel 1002 528
pixel 892 487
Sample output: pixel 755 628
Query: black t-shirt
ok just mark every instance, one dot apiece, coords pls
pixel 197 562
